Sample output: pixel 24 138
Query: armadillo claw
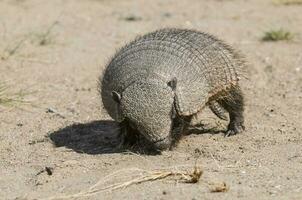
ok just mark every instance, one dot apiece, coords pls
pixel 234 128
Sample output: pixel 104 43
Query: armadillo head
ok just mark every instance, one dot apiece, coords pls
pixel 147 106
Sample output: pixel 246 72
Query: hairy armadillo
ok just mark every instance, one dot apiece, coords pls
pixel 162 79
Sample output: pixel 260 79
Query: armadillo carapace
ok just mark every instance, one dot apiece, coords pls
pixel 164 78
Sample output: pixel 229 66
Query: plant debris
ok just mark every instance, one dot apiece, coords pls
pixel 183 176
pixel 133 18
pixel 288 2
pixel 48 170
pixel 11 99
pixel 219 187
pixel 277 35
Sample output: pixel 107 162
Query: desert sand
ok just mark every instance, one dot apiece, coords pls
pixel 59 140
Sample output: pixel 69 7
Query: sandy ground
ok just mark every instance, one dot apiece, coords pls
pixel 60 47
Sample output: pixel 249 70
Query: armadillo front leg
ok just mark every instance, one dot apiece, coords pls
pixel 233 102
pixel 128 136
pixel 179 128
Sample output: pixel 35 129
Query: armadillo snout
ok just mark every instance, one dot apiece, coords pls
pixel 163 144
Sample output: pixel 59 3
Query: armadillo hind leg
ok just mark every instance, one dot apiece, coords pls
pixel 218 110
pixel 233 102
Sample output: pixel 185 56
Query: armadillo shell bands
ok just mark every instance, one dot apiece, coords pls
pixel 202 64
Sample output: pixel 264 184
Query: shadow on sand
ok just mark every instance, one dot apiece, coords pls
pixel 96 137
pixel 102 137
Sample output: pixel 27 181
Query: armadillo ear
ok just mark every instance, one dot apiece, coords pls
pixel 116 97
pixel 172 83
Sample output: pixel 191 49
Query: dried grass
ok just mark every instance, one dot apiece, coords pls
pixel 11 99
pixel 141 176
pixel 288 2
pixel 277 35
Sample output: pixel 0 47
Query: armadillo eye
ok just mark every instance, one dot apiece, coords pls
pixel 172 83
pixel 116 97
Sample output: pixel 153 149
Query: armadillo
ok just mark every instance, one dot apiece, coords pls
pixel 162 79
